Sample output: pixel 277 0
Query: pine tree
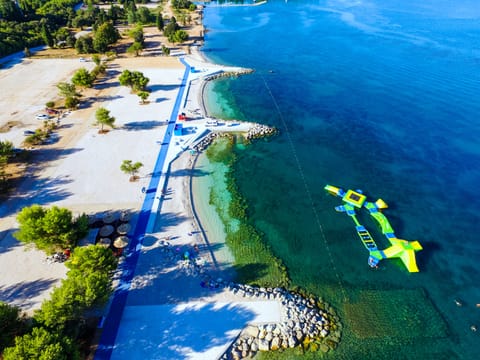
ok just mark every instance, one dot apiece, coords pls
pixel 46 35
pixel 160 23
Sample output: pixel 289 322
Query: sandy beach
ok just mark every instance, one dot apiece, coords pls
pixel 81 171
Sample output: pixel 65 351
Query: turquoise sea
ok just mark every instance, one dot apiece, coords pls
pixel 382 96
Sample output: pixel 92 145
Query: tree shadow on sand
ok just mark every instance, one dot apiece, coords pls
pixel 43 192
pixel 21 293
pixel 142 125
pixel 160 87
pixel 92 101
pixel 168 220
pixel 189 172
pixel 7 241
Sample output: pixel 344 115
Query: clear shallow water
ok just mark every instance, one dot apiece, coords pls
pixel 381 96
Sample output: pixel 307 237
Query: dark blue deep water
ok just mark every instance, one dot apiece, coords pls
pixel 378 95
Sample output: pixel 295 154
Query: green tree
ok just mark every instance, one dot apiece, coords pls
pixel 143 95
pixel 144 16
pixel 182 4
pixel 6 151
pixel 67 90
pixel 103 118
pixel 178 36
pixel 71 102
pixel 97 70
pixel 47 35
pixel 134 79
pixel 165 50
pixel 96 59
pixel 88 285
pixel 84 45
pixel 137 34
pixel 83 78
pixel 126 78
pixel 6 148
pixel 87 259
pixel 42 344
pixel 135 48
pixel 63 36
pixel 131 168
pixel 50 229
pixel 11 325
pixel 171 27
pixel 105 35
pixel 9 11
pixel 159 22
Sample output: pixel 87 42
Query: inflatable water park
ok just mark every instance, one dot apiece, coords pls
pixel 402 249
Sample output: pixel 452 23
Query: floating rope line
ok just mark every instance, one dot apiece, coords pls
pixel 309 194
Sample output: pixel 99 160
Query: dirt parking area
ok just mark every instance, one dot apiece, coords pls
pixel 27 86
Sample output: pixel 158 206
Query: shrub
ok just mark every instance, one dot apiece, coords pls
pixel 42 344
pixel 11 325
pixel 50 229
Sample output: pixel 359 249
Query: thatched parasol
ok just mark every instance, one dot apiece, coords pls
pixel 106 230
pixel 121 242
pixel 91 219
pixel 109 218
pixel 104 242
pixel 123 229
pixel 125 216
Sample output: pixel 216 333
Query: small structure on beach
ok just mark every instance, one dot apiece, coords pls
pixel 178 130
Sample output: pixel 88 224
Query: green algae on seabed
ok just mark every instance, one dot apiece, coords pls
pixel 255 262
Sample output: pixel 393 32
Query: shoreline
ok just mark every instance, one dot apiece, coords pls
pixel 154 271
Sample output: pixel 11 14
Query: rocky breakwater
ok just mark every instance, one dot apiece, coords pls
pixel 256 131
pixel 306 322
pixel 260 131
pixel 208 139
pixel 222 73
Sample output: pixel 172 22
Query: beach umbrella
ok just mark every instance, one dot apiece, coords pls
pixel 123 229
pixel 125 216
pixel 106 230
pixel 121 242
pixel 109 218
pixel 91 220
pixel 104 242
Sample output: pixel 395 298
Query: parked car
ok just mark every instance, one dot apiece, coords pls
pixel 42 117
pixel 52 111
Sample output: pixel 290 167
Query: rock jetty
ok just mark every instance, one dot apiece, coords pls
pixel 257 131
pixel 306 322
pixel 221 74
pixel 260 131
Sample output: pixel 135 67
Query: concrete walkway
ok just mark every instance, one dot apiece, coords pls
pixel 169 316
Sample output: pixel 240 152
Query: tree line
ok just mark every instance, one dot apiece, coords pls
pixel 30 23
pixel 60 325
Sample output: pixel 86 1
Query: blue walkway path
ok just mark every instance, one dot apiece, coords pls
pixel 112 321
